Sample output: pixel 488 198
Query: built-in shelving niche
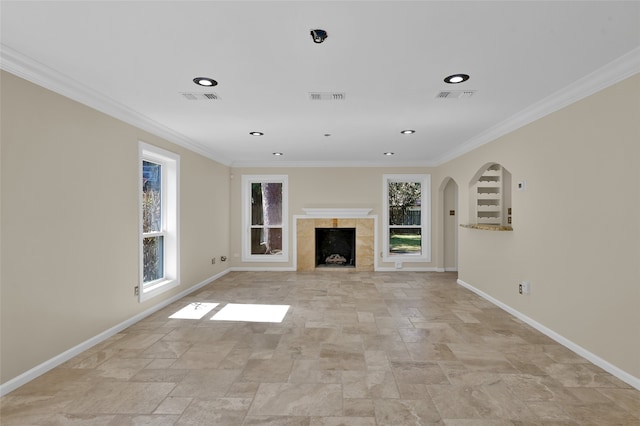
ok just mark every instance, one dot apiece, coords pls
pixel 490 198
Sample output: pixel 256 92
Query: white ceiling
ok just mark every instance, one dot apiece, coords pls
pixel 134 59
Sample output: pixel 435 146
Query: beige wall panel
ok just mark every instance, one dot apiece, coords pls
pixel 70 223
pixel 322 187
pixel 576 226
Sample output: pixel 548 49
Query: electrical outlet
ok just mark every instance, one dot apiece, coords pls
pixel 213 260
pixel 524 287
pixel 136 291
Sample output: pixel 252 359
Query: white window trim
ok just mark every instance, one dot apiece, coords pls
pixel 170 217
pixel 247 180
pixel 425 218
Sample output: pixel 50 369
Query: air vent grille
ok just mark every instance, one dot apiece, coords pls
pixel 200 96
pixel 455 94
pixel 327 96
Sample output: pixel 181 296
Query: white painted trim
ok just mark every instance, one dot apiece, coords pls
pixel 263 269
pixel 18 64
pixel 426 204
pixel 451 269
pixel 38 73
pixel 170 162
pixel 65 356
pixel 247 180
pixel 337 212
pixel 403 269
pixel 617 70
pixel 605 365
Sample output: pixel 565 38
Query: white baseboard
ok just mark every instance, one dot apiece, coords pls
pixel 605 365
pixel 262 269
pixel 40 369
pixel 405 269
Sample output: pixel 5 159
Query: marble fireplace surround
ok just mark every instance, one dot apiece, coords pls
pixel 357 218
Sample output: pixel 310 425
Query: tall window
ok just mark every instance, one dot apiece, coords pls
pixel 406 218
pixel 264 211
pixel 159 171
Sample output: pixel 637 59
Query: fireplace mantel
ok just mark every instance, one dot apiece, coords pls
pixel 337 212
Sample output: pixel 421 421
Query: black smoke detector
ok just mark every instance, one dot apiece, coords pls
pixel 318 36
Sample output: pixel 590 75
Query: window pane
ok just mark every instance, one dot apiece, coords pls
pixel 151 197
pixel 266 241
pixel 404 203
pixel 405 240
pixel 153 258
pixel 266 204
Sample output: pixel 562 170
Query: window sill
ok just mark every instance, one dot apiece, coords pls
pixel 158 288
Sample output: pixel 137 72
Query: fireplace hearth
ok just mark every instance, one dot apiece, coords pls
pixel 336 247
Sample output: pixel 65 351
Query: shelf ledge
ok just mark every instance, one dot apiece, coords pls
pixel 483 227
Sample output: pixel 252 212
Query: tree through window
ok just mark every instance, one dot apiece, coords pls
pixel 264 211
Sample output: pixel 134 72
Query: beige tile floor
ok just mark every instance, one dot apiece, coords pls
pixel 355 348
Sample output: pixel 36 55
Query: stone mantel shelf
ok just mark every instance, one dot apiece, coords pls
pixel 337 212
pixel 488 227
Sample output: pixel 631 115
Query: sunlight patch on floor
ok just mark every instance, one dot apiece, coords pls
pixel 251 313
pixel 195 310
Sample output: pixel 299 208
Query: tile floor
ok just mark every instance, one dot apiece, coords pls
pixel 355 348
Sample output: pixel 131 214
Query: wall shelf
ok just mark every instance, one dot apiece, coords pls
pixel 490 193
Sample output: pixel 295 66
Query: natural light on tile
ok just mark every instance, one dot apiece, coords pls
pixel 251 313
pixel 195 310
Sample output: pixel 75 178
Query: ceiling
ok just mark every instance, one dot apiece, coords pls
pixel 135 60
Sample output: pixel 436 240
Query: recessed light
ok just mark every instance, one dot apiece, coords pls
pixel 256 133
pixel 456 78
pixel 407 132
pixel 389 153
pixel 205 81
pixel 278 154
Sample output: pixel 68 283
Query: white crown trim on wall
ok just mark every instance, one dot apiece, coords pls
pixel 38 73
pixel 619 69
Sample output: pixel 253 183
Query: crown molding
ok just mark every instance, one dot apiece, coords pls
pixel 619 69
pixel 40 74
pixel 320 164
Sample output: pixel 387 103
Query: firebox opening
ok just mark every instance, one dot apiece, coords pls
pixel 336 247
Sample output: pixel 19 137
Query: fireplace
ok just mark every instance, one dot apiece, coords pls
pixel 339 218
pixel 336 247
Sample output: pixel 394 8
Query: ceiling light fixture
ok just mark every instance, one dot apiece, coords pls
pixel 456 78
pixel 408 132
pixel 256 133
pixel 389 153
pixel 205 81
pixel 278 154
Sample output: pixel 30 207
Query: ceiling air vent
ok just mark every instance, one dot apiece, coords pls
pixel 327 96
pixel 200 96
pixel 455 94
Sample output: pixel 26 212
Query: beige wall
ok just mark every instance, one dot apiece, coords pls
pixel 576 226
pixel 322 187
pixel 70 223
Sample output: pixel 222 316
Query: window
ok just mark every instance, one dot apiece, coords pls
pixel 406 217
pixel 159 172
pixel 264 213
